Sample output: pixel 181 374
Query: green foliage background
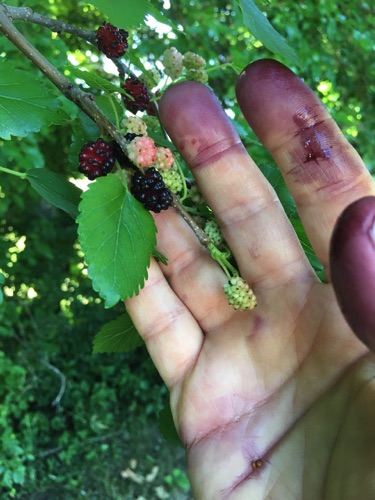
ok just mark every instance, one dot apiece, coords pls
pixel 70 420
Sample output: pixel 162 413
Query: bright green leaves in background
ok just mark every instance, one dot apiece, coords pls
pixel 117 236
pixel 26 105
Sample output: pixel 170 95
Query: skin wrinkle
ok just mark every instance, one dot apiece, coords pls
pixel 248 475
pixel 216 151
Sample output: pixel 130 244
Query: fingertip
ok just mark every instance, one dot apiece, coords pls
pixel 352 262
pixel 196 122
pixel 274 100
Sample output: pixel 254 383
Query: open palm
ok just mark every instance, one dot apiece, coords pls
pixel 278 402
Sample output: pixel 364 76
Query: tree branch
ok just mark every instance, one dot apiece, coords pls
pixel 83 100
pixel 27 14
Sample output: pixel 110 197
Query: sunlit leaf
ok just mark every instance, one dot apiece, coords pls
pixel 123 13
pixel 26 105
pixel 117 236
pixel 95 81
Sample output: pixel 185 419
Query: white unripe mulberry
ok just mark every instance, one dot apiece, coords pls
pixel 197 75
pixel 134 125
pixel 173 62
pixel 239 294
pixel 212 230
pixel 172 180
pixel 164 158
pixel 193 61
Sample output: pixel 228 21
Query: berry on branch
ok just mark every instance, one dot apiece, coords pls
pixel 193 61
pixel 150 190
pixel 239 294
pixel 164 158
pixel 134 125
pixel 138 91
pixel 197 75
pixel 173 62
pixel 212 230
pixel 142 151
pixel 96 158
pixel 112 41
pixel 172 179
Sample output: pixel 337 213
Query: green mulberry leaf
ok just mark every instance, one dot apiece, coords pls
pixel 117 236
pixel 55 189
pixel 124 13
pixel 119 335
pixel 263 30
pixel 167 428
pixel 26 105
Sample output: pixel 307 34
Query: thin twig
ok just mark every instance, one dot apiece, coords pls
pixel 62 378
pixel 199 233
pixel 27 14
pixel 83 100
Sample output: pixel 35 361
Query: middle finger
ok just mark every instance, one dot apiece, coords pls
pixel 253 222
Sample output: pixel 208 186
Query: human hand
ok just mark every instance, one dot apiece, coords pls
pixel 277 402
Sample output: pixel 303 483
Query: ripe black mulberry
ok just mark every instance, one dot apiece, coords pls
pixel 150 190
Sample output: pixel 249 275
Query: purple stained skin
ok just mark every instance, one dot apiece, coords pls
pixel 291 122
pixel 206 137
pixel 352 260
pixel 285 113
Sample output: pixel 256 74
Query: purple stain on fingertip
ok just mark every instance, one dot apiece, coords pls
pixel 352 261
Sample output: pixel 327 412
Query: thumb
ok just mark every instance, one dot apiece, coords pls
pixel 352 263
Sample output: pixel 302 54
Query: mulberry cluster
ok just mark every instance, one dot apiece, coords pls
pixel 140 98
pixel 194 65
pixel 112 41
pixel 96 158
pixel 239 294
pixel 150 190
pixel 197 75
